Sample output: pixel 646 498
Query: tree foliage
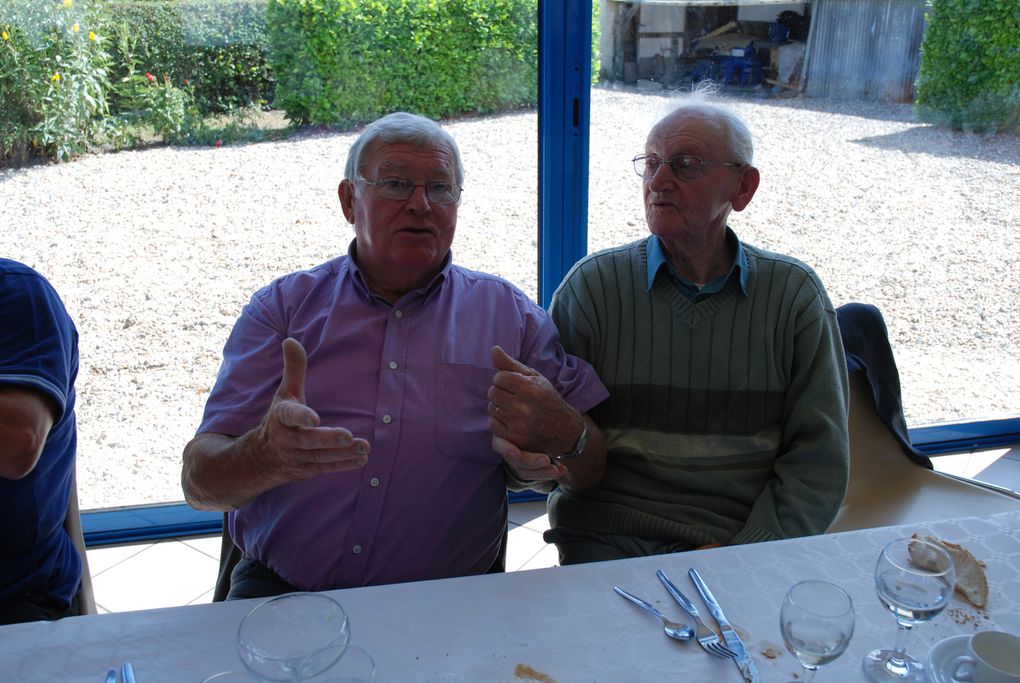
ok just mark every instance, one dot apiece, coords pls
pixel 970 65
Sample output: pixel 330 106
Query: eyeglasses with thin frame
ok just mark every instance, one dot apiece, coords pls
pixel 401 189
pixel 684 166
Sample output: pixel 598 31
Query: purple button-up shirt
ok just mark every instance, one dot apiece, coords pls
pixel 411 378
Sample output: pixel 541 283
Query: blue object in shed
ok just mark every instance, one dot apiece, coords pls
pixel 740 70
pixel 778 33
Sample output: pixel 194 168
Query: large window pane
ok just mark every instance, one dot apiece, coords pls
pixel 156 250
pixel 916 219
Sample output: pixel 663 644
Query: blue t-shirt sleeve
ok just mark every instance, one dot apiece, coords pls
pixel 38 341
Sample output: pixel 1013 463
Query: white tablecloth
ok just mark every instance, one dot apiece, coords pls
pixel 564 621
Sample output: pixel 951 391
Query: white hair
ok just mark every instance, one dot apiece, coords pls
pixel 402 127
pixel 703 101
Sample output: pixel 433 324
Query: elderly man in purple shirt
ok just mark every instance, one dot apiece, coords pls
pixel 371 412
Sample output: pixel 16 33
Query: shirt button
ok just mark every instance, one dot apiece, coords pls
pixel 374 481
pixel 387 419
pixel 357 549
pixel 393 365
pixel 399 314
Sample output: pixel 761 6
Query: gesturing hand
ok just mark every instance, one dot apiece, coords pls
pixel 292 439
pixel 525 409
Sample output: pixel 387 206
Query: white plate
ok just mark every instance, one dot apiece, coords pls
pixel 941 655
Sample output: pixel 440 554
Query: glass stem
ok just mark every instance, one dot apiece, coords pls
pixel 898 661
pixel 809 673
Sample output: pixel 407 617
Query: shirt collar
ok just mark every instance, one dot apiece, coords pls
pixel 428 290
pixel 657 261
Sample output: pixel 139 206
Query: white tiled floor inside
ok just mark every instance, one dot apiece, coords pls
pixel 183 571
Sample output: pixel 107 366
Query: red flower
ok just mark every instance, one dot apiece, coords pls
pixel 219 143
pixel 152 79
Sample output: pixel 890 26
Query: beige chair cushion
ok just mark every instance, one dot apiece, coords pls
pixel 888 488
pixel 72 524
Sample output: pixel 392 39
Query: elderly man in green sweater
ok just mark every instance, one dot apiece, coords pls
pixel 727 419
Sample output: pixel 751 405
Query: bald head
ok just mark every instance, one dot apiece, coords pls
pixel 728 131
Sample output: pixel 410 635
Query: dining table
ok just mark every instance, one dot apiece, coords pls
pixel 561 624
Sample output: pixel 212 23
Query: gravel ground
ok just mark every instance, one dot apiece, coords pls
pixel 155 251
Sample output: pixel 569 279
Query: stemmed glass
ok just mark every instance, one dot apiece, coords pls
pixel 817 622
pixel 915 580
pixel 293 637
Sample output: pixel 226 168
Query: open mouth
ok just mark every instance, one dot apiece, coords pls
pixel 420 232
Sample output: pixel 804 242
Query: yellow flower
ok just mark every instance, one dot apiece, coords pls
pixel 75 27
pixel 3 35
pixel 55 77
pixel 68 3
pixel 92 35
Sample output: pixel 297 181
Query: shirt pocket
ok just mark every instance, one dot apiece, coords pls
pixel 461 410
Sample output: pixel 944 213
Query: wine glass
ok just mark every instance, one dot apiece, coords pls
pixel 914 579
pixel 293 636
pixel 817 622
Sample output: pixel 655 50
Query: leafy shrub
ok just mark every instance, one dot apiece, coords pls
pixel 970 65
pixel 349 61
pixel 216 47
pixel 53 79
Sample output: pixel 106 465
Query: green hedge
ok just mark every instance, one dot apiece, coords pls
pixel 216 47
pixel 970 65
pixel 342 62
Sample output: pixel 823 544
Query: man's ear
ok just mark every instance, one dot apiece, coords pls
pixel 749 179
pixel 347 198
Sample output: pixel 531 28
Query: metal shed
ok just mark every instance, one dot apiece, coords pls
pixel 855 49
pixel 865 49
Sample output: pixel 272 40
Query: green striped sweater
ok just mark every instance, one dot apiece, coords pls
pixel 727 418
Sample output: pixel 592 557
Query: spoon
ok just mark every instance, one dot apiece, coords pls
pixel 673 629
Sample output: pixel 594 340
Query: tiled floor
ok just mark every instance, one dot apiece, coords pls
pixel 183 571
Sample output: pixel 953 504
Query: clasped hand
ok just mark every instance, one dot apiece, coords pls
pixel 529 420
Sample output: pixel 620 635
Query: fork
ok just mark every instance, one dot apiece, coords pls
pixel 706 637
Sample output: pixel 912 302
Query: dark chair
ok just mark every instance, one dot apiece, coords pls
pixel 230 555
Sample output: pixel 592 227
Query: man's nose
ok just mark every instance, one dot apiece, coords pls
pixel 418 202
pixel 663 179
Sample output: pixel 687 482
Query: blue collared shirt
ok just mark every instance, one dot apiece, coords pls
pixel 657 261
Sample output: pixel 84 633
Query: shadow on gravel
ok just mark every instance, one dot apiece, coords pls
pixel 882 111
pixel 943 142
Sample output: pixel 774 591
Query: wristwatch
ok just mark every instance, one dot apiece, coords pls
pixel 582 443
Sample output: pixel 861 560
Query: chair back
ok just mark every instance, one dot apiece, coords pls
pixel 887 487
pixel 72 524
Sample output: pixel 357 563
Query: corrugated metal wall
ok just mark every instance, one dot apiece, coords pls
pixel 865 49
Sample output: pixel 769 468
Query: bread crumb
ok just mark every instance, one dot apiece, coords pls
pixel 526 673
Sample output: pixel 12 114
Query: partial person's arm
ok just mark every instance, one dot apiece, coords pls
pixel 223 472
pixel 533 427
pixel 26 417
pixel 812 469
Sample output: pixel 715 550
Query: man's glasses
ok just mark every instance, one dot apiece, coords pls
pixel 401 189
pixel 684 167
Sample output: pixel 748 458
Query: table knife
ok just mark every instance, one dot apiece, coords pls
pixel 744 662
pixel 128 673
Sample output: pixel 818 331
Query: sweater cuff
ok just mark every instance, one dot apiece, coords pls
pixel 516 483
pixel 750 534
